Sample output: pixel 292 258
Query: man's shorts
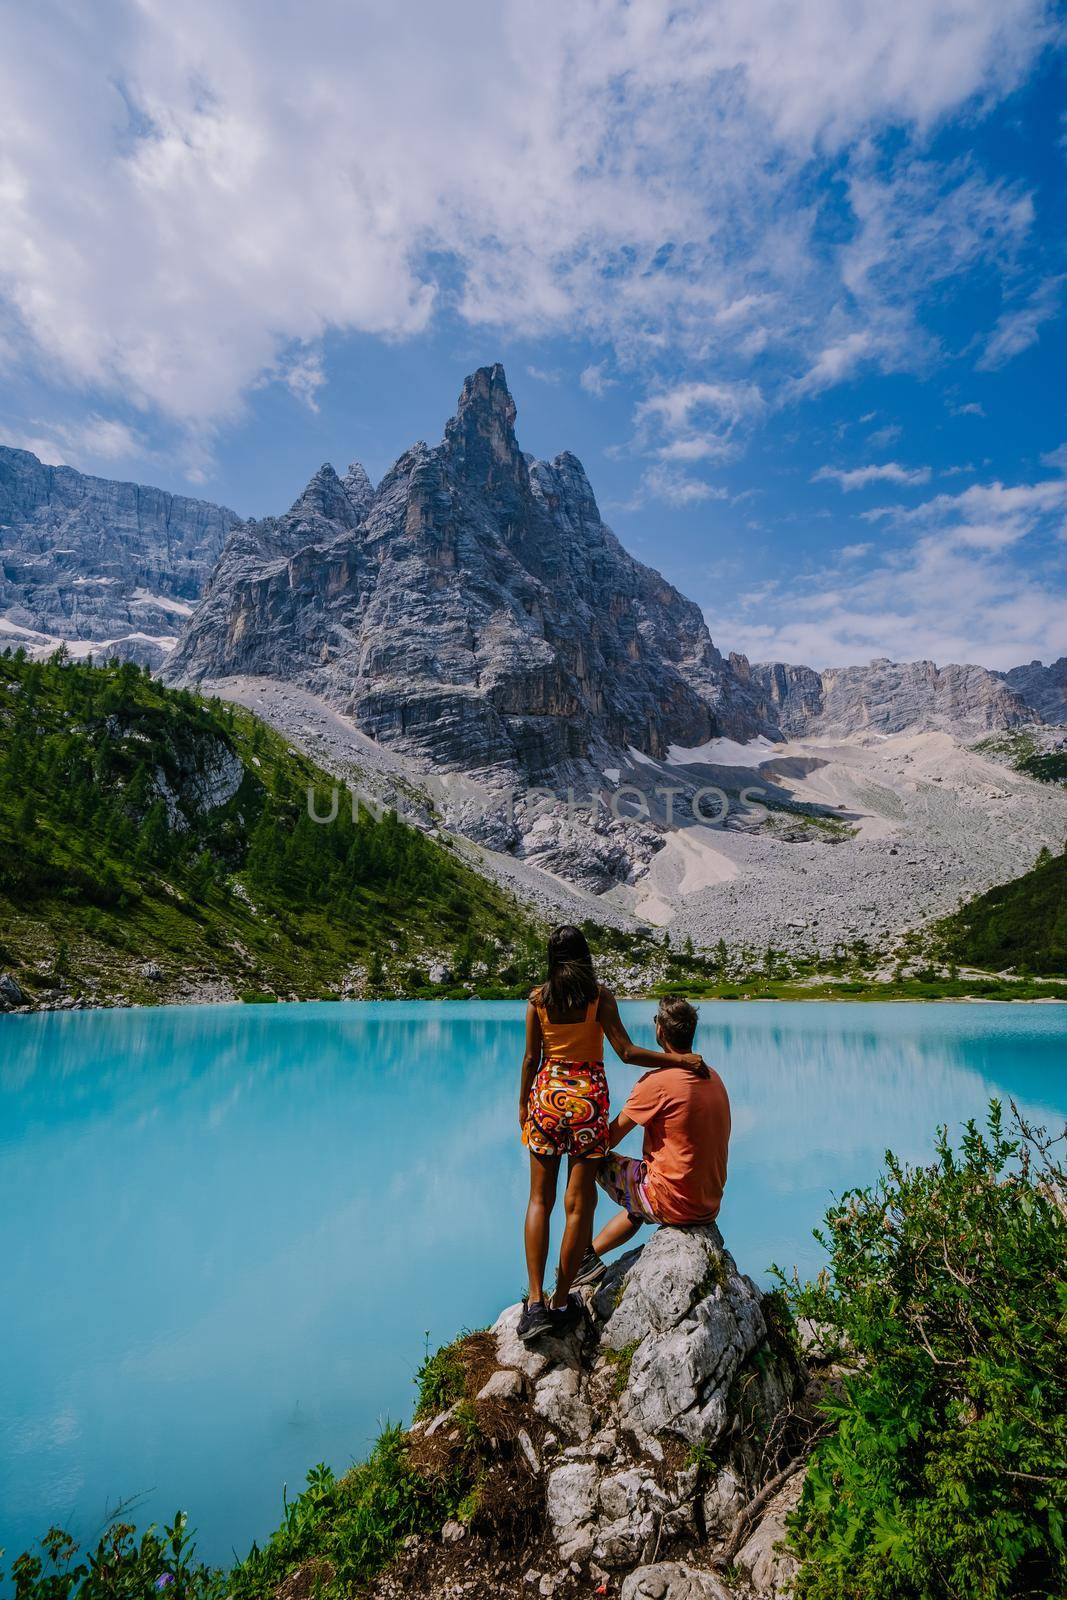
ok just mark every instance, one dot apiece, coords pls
pixel 623 1179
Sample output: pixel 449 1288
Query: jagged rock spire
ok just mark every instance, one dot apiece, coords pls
pixel 480 438
pixel 326 496
pixel 358 487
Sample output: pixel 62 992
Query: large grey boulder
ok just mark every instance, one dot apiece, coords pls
pixel 673 1580
pixel 637 1396
pixel 694 1321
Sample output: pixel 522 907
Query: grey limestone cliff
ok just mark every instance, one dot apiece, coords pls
pixel 887 697
pixel 1043 688
pixel 90 560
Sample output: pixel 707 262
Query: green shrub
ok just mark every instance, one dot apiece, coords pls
pixel 355 1523
pixel 946 1478
pixel 441 1381
pixel 122 1567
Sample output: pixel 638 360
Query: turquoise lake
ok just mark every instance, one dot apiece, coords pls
pixel 227 1233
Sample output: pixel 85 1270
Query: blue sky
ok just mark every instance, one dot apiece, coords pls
pixel 790 279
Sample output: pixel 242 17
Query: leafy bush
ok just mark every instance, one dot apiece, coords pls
pixel 345 1529
pixel 441 1380
pixel 122 1567
pixel 947 1476
pixel 352 1525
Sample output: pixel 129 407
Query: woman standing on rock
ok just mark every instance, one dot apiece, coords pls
pixel 563 1111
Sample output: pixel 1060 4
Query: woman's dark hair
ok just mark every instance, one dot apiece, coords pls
pixel 571 982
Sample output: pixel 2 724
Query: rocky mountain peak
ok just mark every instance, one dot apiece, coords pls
pixel 358 487
pixel 326 496
pixel 480 439
pixel 482 617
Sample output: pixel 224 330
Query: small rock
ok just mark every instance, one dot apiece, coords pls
pixel 440 1420
pixel 504 1385
pixel 770 1566
pixel 527 1448
pixel 558 1399
pixel 453 1532
pixel 151 970
pixel 571 1501
pixel 11 991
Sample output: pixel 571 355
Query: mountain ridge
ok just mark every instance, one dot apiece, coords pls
pixel 480 617
pixel 503 683
pixel 100 562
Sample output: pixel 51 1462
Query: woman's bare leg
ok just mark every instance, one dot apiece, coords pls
pixel 543 1173
pixel 580 1204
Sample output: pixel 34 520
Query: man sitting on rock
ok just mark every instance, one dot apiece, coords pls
pixel 679 1181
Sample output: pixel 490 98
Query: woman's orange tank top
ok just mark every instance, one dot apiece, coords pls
pixel 572 1041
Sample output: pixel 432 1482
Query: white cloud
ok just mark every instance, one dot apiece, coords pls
pixel 303 375
pixel 973 408
pixel 1016 330
pixel 673 487
pixel 82 444
pixel 836 362
pixel 595 381
pixel 695 421
pixel 950 590
pixel 544 374
pixel 881 437
pixel 861 477
pixel 191 191
pixel 1057 459
pixel 855 552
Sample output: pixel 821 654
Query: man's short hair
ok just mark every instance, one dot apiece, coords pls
pixel 678 1022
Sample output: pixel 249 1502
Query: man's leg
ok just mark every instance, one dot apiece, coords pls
pixel 580 1204
pixel 620 1230
pixel 543 1174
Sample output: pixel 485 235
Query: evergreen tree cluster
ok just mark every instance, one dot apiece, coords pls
pixel 103 832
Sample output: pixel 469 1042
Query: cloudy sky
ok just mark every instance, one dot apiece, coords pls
pixel 789 277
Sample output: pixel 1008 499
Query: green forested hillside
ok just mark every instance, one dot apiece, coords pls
pixel 141 826
pixel 1022 924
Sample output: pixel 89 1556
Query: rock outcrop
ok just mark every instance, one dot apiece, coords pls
pixel 113 566
pixel 474 612
pixel 885 697
pixel 636 1445
pixel 1043 688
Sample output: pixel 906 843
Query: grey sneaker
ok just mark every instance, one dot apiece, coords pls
pixel 591 1270
pixel 535 1321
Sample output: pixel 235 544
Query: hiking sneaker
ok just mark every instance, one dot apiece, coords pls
pixel 535 1321
pixel 591 1270
pixel 567 1318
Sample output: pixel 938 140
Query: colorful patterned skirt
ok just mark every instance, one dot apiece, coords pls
pixel 567 1113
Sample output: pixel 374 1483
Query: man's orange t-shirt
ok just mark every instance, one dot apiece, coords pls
pixel 687 1134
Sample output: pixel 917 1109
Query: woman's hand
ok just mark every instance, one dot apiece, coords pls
pixel 696 1064
pixel 523 1113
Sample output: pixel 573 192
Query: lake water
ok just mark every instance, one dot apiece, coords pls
pixel 226 1233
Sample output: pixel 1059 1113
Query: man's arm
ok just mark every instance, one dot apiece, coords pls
pixel 531 1061
pixel 620 1127
pixel 636 1055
